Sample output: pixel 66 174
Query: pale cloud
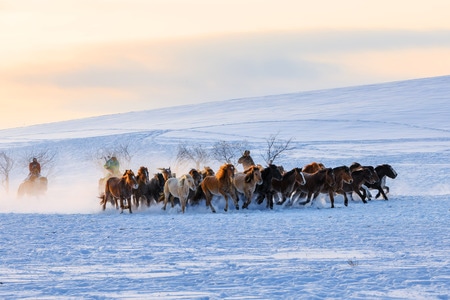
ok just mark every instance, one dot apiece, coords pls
pixel 85 58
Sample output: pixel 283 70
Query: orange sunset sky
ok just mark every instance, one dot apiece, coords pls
pixel 69 59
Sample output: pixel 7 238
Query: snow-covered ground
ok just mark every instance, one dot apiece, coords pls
pixel 63 246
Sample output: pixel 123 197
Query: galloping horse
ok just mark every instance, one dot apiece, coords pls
pixel 246 182
pixel 285 185
pixel 120 188
pixel 341 175
pixel 220 184
pixel 34 186
pixel 155 188
pixel 142 191
pixel 360 176
pixel 315 182
pixel 178 188
pixel 246 160
pixel 265 190
pixel 382 171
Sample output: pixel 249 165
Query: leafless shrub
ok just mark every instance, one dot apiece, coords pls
pixel 46 158
pixel 6 165
pixel 228 152
pixel 275 148
pixel 121 151
pixel 192 153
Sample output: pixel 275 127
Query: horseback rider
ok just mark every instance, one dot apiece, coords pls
pixel 112 165
pixel 35 169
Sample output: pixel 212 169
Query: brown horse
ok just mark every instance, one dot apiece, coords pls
pixel 221 185
pixel 341 175
pixel 285 186
pixel 120 188
pixel 313 167
pixel 246 182
pixel 360 176
pixel 314 183
pixel 141 192
pixel 34 186
pixel 246 160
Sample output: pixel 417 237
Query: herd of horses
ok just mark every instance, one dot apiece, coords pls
pixel 255 183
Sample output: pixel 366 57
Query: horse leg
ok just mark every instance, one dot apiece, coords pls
pixel 129 204
pixel 382 193
pixel 308 198
pixel 166 199
pixel 208 197
pixel 226 201
pixel 233 196
pixel 103 202
pixel 121 204
pixel 331 194
pixel 362 196
pixel 183 203
pixel 260 198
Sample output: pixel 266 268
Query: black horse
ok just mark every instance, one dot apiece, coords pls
pixel 265 190
pixel 383 171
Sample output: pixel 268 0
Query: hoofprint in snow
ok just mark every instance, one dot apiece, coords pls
pixel 63 245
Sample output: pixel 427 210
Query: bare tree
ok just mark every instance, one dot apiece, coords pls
pixel 228 152
pixel 275 147
pixel 194 153
pixel 121 151
pixel 6 164
pixel 45 157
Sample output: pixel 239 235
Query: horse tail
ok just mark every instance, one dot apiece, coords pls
pixel 103 199
pixel 199 195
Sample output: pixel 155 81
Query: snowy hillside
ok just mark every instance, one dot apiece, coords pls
pixel 63 245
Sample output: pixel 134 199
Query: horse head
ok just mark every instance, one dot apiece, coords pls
pixel 299 177
pixel 330 179
pixel 130 179
pixel 346 174
pixel 253 173
pixel 388 170
pixel 142 175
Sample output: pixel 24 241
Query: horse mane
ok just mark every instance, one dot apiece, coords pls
pixel 222 172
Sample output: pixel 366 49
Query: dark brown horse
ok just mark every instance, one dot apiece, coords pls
pixel 341 175
pixel 360 176
pixel 141 193
pixel 288 181
pixel 155 188
pixel 120 188
pixel 383 171
pixel 221 185
pixel 314 183
pixel 207 171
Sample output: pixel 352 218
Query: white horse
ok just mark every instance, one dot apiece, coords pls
pixel 179 188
